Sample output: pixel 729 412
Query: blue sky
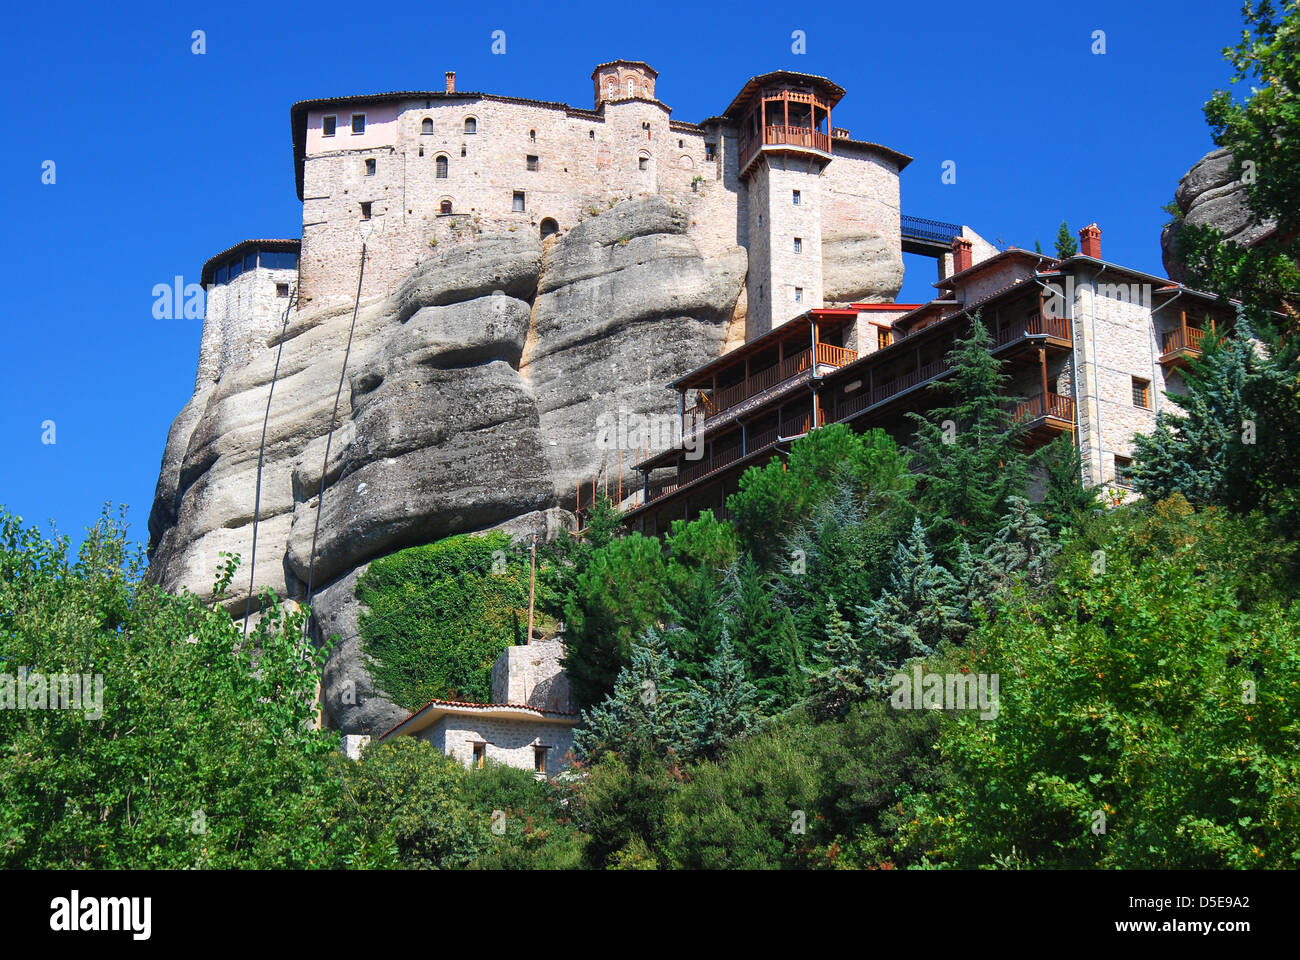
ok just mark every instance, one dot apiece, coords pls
pixel 164 158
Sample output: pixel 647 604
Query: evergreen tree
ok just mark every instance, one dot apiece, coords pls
pixel 723 708
pixel 643 716
pixel 919 609
pixel 1066 245
pixel 837 679
pixel 1234 444
pixel 967 453
pixel 619 595
pixel 765 634
pixel 702 552
pixel 1066 502
pixel 1022 547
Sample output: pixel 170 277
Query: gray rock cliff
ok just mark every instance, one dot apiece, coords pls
pixel 470 402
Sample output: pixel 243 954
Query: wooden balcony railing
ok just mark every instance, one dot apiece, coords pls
pixel 1181 338
pixel 909 379
pixel 711 404
pixel 1058 407
pixel 1034 325
pixel 779 135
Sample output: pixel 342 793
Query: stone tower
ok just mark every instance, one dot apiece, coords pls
pixel 624 80
pixel 784 122
pixel 247 289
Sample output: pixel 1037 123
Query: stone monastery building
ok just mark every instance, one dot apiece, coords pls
pixel 817 337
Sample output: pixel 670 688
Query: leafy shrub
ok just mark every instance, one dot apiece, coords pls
pixel 439 616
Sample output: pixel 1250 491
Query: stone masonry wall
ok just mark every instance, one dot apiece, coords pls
pixel 510 742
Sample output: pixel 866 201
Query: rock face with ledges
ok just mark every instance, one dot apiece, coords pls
pixel 1211 194
pixel 470 402
pixel 860 268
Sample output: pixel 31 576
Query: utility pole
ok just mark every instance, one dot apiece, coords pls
pixel 532 584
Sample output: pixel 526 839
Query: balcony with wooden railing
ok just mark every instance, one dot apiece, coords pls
pixel 780 135
pixel 711 403
pixel 690 471
pixel 1180 344
pixel 1034 325
pixel 1042 420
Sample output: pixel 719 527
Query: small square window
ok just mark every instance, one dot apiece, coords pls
pixel 643 163
pixel 365 210
pixel 517 202
pixel 370 167
pixel 281 289
pixel 358 123
pixel 798 294
pixel 327 125
pixel 1142 393
pixel 710 150
pixel 883 338
pixel 796 198
pixel 532 162
pixel 798 245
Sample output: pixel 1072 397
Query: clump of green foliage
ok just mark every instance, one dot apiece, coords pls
pixel 439 615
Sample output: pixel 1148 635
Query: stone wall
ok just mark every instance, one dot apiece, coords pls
pixel 240 318
pixel 531 674
pixel 508 741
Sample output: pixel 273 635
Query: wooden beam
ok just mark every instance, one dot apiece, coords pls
pixel 1042 362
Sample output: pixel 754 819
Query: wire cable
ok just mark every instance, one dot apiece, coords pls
pixel 261 454
pixel 329 437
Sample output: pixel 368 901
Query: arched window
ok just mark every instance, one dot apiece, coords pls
pixel 426 126
pixel 440 165
pixel 445 207
pixel 549 227
pixel 471 125
pixel 613 88
pixel 631 87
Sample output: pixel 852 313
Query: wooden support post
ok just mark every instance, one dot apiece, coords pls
pixel 1042 362
pixel 532 585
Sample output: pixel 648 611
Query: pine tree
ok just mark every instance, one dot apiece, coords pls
pixel 967 453
pixel 643 715
pixel 836 680
pixel 1066 502
pixel 765 634
pixel 919 609
pixel 724 707
pixel 1066 245
pixel 1022 547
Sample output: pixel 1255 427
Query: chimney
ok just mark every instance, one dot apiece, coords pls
pixel 962 258
pixel 451 81
pixel 1090 241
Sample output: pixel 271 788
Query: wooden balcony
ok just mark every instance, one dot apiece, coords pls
pixel 698 469
pixel 1055 329
pixel 1044 421
pixel 1180 344
pixel 779 135
pixel 724 398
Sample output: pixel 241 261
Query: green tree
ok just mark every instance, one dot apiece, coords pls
pixel 1066 502
pixel 772 500
pixel 1234 443
pixel 702 550
pixel 968 453
pixel 1020 550
pixel 200 750
pixel 401 806
pixel 1153 696
pixel 765 634
pixel 724 708
pixel 619 595
pixel 1066 245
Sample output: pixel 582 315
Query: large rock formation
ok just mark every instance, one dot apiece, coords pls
pixel 470 402
pixel 860 268
pixel 1211 194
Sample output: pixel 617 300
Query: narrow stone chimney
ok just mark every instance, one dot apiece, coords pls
pixel 962 257
pixel 451 81
pixel 1090 241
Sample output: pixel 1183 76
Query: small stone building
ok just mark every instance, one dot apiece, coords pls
pixel 529 723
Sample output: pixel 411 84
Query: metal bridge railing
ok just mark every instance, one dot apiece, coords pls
pixel 921 229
